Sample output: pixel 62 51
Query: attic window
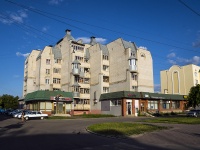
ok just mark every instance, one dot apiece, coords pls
pixel 143 55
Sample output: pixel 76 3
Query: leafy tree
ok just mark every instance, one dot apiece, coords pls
pixel 9 101
pixel 194 96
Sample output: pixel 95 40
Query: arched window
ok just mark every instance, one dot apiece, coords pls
pixel 175 81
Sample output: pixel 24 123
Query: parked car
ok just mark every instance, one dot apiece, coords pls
pixel 34 115
pixel 193 113
pixel 19 116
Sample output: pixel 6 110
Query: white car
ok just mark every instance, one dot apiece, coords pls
pixel 34 115
pixel 19 115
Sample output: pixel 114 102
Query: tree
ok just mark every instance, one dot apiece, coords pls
pixel 194 96
pixel 9 101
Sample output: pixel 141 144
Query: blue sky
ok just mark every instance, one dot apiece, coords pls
pixel 169 29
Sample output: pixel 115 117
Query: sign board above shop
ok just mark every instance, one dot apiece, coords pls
pixel 61 98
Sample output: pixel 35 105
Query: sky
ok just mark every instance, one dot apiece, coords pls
pixel 169 29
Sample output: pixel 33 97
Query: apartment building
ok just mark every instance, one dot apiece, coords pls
pixel 179 79
pixel 88 70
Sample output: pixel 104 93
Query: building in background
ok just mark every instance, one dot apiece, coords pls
pixel 179 79
pixel 88 70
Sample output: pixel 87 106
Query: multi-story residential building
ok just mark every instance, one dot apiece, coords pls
pixel 179 79
pixel 88 70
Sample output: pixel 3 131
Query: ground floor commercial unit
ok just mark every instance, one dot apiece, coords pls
pixel 50 102
pixel 125 103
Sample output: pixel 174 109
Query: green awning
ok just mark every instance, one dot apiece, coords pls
pixel 47 95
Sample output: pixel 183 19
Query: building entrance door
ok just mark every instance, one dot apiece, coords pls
pixel 129 107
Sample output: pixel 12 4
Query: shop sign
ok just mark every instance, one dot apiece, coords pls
pixel 61 98
pixel 131 95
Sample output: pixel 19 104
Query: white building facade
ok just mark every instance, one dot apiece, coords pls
pixel 89 70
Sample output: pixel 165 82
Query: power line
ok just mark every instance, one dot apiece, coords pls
pixel 142 38
pixel 189 7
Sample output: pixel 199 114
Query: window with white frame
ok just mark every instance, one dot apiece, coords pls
pixel 116 102
pixel 58 61
pixel 56 80
pixel 175 104
pixel 84 91
pixel 47 81
pixel 152 104
pixel 105 89
pixel 47 71
pixel 105 57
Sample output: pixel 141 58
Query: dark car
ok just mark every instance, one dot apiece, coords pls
pixel 193 113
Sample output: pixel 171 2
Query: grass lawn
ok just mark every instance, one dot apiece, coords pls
pixel 123 129
pixel 81 116
pixel 175 120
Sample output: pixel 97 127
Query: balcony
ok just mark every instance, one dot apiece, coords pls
pixel 76 71
pixel 76 94
pixel 133 68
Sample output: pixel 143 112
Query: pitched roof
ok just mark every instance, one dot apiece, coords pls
pixel 57 53
pixel 46 95
pixel 104 49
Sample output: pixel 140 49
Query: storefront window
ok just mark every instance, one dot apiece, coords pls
pixel 175 104
pixel 116 102
pixel 166 104
pixel 152 104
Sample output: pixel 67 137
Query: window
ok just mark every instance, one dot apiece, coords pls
pixel 135 88
pixel 56 80
pixel 105 79
pixel 152 104
pixel 57 61
pixel 79 58
pixel 47 81
pixel 47 71
pixel 134 76
pixel 105 68
pixel 105 89
pixel 84 91
pixel 175 104
pixel 48 61
pixel 55 89
pixel 116 102
pixel 56 70
pixel 165 104
pixel 105 57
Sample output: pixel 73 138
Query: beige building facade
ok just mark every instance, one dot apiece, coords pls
pixel 179 79
pixel 89 70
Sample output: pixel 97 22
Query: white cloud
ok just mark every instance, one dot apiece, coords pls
pixel 55 2
pixel 171 55
pixel 20 54
pixel 87 40
pixel 11 17
pixel 143 47
pixel 182 61
pixel 196 43
pixel 101 40
pixel 157 88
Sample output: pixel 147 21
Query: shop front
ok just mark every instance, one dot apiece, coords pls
pixel 128 103
pixel 50 102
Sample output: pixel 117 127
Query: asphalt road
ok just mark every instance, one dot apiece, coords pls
pixel 72 135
